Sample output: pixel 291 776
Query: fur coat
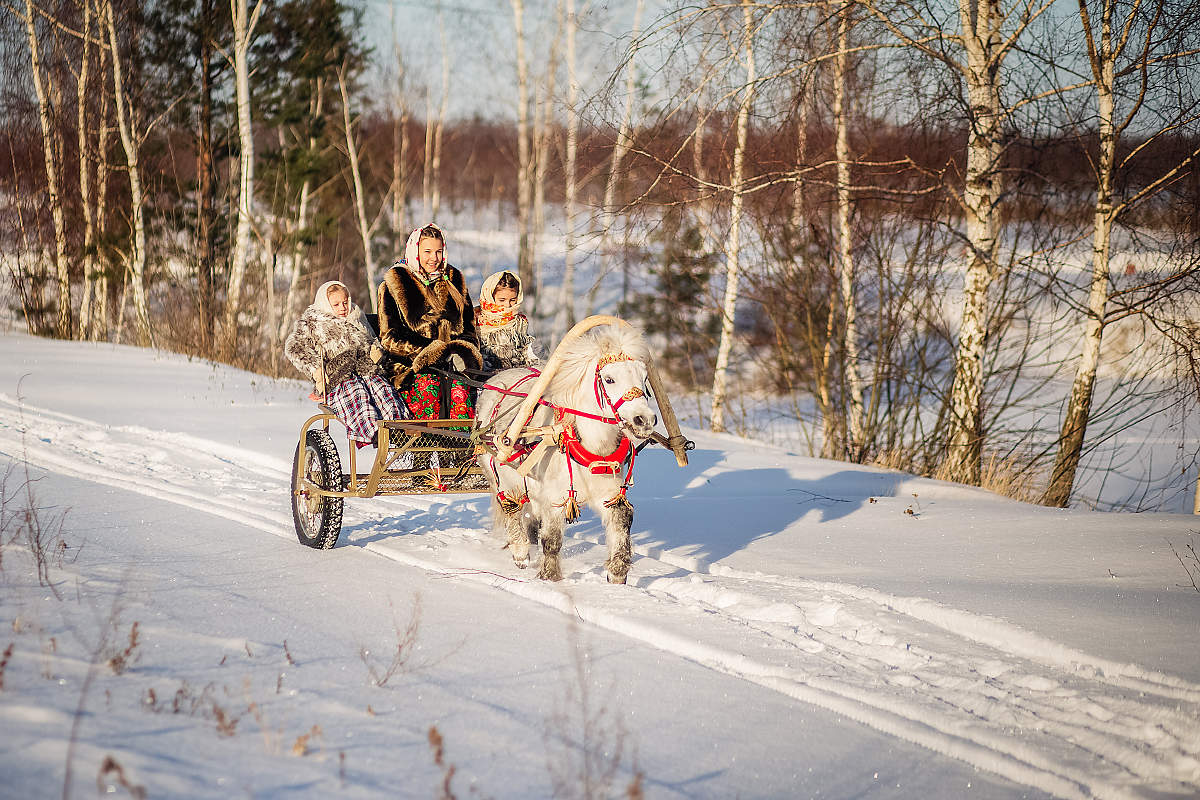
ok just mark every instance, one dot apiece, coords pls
pixel 424 323
pixel 328 348
pixel 504 338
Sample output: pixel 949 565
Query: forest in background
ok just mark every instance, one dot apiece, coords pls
pixel 910 226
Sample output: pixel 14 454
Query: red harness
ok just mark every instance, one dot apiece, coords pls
pixel 609 464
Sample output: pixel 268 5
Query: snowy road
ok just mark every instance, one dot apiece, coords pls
pixel 975 688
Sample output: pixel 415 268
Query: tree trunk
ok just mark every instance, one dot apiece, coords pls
pixel 543 134
pixel 205 213
pixel 291 307
pixel 99 324
pixel 436 199
pixel 624 140
pixel 524 152
pixel 981 196
pixel 1079 405
pixel 846 270
pixel 360 208
pixel 52 152
pixel 85 174
pixel 567 303
pixel 244 22
pixel 137 257
pixel 732 241
pixel 399 151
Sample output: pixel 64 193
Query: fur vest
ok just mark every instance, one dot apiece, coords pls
pixel 422 325
pixel 508 346
pixel 335 347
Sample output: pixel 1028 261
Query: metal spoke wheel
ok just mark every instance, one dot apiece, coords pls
pixel 318 518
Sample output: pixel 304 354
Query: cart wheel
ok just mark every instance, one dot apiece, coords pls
pixel 318 519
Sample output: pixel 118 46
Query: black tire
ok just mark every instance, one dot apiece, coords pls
pixel 318 519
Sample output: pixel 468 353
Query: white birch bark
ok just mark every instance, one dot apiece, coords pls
pixel 1074 427
pixel 360 208
pixel 543 134
pixel 982 46
pixel 566 312
pixel 137 255
pixel 85 174
pixel 399 189
pixel 52 154
pixel 99 328
pixel 624 139
pixel 244 22
pixel 427 166
pixel 524 151
pixel 846 269
pixel 292 303
pixel 436 165
pixel 732 240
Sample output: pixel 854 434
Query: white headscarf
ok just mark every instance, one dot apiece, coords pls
pixel 354 315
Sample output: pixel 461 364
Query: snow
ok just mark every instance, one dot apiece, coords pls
pixel 792 628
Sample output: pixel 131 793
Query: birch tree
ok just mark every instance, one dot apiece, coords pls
pixel 733 240
pixel 399 188
pixel 986 34
pixel 48 99
pixel 126 126
pixel 1124 44
pixel 435 201
pixel 83 86
pixel 566 311
pixel 524 153
pixel 244 22
pixel 845 252
pixel 365 229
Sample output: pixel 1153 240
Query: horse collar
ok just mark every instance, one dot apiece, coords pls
pixel 598 464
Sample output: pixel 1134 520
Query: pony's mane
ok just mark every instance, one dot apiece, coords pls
pixel 573 378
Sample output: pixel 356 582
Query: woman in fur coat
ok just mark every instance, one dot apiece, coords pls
pixel 333 344
pixel 504 338
pixel 426 319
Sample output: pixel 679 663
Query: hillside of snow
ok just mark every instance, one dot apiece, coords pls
pixel 792 627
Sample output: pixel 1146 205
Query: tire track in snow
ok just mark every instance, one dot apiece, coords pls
pixel 967 686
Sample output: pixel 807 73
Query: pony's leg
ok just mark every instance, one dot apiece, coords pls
pixel 618 519
pixel 551 535
pixel 518 540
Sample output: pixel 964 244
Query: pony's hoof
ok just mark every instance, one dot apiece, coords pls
pixel 614 578
pixel 521 563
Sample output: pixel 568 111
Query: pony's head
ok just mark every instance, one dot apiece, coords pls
pixel 607 366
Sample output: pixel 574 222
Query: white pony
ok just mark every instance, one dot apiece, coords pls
pixel 596 410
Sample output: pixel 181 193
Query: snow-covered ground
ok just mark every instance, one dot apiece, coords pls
pixel 792 628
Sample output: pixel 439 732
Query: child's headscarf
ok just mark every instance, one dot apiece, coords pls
pixel 492 315
pixel 410 251
pixel 354 314
pixel 321 301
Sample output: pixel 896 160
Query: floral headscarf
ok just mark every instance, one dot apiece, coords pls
pixel 413 263
pixel 492 315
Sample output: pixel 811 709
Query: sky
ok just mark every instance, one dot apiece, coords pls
pixel 792 627
pixel 479 36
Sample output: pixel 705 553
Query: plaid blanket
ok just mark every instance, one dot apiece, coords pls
pixel 361 402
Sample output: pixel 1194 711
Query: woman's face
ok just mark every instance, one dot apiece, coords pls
pixel 430 254
pixel 339 301
pixel 505 298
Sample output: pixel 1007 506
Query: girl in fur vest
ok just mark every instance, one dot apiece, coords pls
pixel 504 338
pixel 426 319
pixel 333 344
